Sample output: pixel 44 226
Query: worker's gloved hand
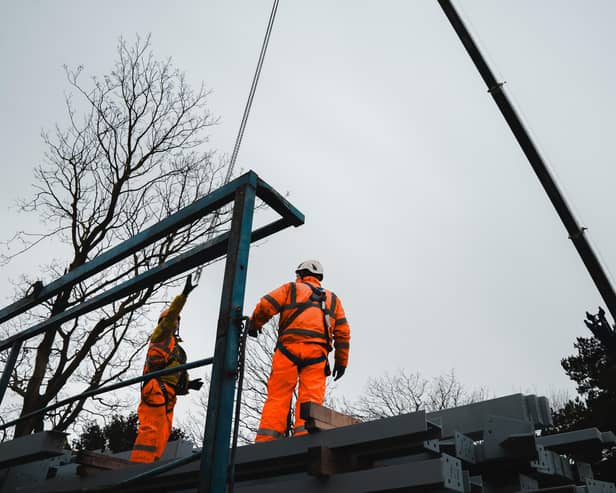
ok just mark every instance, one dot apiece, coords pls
pixel 195 384
pixel 188 287
pixel 338 372
pixel 252 330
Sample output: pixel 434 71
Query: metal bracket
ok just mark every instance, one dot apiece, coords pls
pixel 465 448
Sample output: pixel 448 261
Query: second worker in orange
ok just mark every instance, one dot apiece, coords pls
pixel 312 322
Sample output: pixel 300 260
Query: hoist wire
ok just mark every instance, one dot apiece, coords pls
pixel 247 108
pixel 251 95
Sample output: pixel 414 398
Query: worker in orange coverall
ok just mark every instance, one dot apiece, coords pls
pixel 158 395
pixel 310 318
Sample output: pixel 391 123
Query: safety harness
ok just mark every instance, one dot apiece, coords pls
pixel 318 299
pixel 162 355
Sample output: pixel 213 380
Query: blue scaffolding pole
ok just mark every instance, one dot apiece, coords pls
pixel 235 244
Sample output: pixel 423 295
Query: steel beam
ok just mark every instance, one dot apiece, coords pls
pixel 7 371
pixel 441 473
pixel 199 255
pixel 31 448
pixel 594 486
pixel 360 443
pixel 193 212
pixel 215 454
pixel 108 388
pixel 584 444
pixel 472 418
pixel 211 202
pixel 281 205
pixel 373 440
pixel 551 467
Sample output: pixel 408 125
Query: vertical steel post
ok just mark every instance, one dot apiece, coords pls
pixel 215 453
pixel 8 368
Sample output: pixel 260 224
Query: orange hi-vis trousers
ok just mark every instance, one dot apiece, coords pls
pixel 155 421
pixel 282 382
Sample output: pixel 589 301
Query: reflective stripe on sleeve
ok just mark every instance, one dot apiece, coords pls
pixel 342 345
pixel 342 321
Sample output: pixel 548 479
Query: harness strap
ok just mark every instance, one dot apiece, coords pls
pixel 300 308
pixel 304 332
pixel 318 292
pixel 300 363
pixel 318 300
pixel 163 389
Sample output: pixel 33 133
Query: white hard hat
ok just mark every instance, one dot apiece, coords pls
pixel 312 266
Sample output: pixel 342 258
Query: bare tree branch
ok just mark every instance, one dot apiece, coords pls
pixel 131 153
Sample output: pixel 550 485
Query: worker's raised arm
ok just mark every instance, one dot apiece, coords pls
pixel 269 305
pixel 169 318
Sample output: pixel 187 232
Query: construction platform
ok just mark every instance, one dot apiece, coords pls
pixel 492 446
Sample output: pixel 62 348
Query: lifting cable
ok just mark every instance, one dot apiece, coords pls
pixel 247 108
pixel 251 95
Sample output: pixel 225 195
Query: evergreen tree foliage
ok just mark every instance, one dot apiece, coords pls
pixel 595 375
pixel 116 436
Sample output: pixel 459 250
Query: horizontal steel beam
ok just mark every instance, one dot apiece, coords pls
pixel 199 255
pixel 277 202
pixel 383 438
pixel 31 448
pixel 206 205
pixel 441 473
pixel 372 440
pixel 471 418
pixel 551 468
pixel 191 213
pixel 108 388
pixel 584 444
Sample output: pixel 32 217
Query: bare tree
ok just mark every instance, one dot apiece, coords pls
pixel 132 153
pixel 403 392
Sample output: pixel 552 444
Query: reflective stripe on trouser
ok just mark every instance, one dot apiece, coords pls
pixel 155 421
pixel 280 388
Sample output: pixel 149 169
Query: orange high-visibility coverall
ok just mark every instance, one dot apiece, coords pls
pixel 304 340
pixel 158 395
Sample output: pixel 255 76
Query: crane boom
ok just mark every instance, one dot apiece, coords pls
pixel 575 231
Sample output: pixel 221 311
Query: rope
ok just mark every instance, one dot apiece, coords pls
pixel 251 95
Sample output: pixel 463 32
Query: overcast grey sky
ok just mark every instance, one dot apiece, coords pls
pixel 429 221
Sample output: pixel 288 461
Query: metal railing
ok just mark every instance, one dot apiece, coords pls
pixel 235 245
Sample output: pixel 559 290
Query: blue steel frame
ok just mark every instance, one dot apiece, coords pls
pixel 243 192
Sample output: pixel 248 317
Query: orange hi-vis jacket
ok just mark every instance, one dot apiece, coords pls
pixel 302 318
pixel 164 351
